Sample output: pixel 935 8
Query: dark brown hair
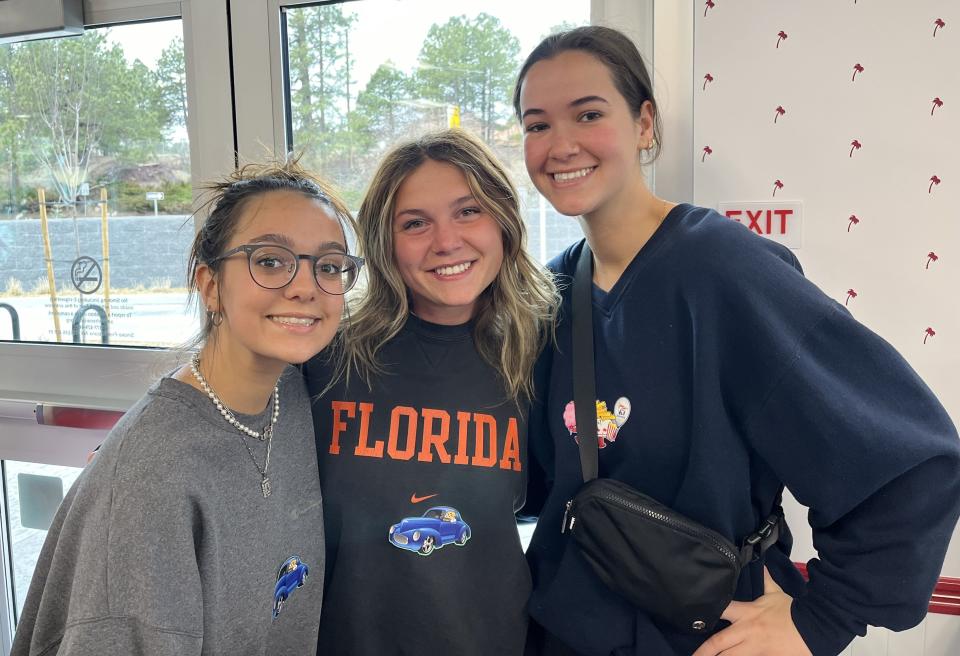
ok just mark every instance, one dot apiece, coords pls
pixel 617 52
pixel 227 199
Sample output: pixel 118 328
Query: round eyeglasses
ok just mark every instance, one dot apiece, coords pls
pixel 274 267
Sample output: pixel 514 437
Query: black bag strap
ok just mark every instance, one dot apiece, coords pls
pixel 585 405
pixel 584 382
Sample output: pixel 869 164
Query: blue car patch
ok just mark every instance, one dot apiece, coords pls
pixel 439 526
pixel 291 575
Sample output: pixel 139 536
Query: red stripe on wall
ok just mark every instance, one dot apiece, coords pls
pixel 67 417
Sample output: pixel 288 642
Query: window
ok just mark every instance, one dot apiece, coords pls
pixel 95 188
pixel 364 75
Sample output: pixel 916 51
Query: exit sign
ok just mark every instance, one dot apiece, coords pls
pixel 781 221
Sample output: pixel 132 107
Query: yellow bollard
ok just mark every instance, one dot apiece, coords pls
pixel 48 257
pixel 105 232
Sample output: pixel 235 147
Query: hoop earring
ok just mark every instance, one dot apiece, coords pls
pixel 215 318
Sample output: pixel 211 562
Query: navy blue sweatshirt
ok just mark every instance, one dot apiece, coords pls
pixel 421 473
pixel 722 374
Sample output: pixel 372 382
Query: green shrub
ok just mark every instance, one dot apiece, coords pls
pixel 131 198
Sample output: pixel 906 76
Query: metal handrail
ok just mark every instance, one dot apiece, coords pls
pixel 14 319
pixel 104 323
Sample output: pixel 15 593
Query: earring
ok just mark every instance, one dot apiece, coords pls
pixel 215 318
pixel 652 144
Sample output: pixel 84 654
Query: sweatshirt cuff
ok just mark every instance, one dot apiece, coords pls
pixel 821 627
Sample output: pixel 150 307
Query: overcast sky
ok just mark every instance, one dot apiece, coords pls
pixel 390 29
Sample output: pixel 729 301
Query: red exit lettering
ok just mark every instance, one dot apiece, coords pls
pixel 763 222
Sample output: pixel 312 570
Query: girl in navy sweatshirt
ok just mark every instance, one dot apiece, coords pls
pixel 725 375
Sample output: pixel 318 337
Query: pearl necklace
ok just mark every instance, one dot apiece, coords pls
pixel 232 420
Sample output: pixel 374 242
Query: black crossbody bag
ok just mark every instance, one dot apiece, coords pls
pixel 664 563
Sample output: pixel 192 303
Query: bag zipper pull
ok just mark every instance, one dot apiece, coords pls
pixel 563 527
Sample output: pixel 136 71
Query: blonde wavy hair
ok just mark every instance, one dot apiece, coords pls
pixel 514 315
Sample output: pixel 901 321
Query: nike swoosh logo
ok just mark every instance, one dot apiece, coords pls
pixel 415 499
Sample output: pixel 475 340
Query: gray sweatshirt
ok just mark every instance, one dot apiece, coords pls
pixel 166 545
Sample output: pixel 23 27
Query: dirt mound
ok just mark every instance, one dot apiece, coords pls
pixel 154 173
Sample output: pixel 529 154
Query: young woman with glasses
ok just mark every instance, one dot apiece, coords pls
pixel 198 527
pixel 732 376
pixel 422 440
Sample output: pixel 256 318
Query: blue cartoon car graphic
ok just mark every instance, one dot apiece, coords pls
pixel 292 575
pixel 439 526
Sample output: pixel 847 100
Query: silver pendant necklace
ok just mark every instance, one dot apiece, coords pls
pixel 265 435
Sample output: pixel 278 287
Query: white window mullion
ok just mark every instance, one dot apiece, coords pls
pixel 209 99
pixel 258 78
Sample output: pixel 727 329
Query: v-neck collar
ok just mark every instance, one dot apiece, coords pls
pixel 607 302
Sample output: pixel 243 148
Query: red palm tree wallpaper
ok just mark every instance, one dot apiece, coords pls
pixel 835 82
